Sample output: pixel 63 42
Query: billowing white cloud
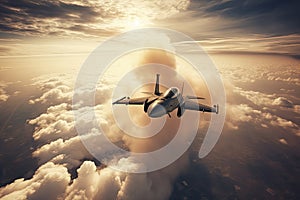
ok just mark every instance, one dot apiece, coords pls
pixel 257 98
pixel 57 94
pixel 238 114
pixel 57 122
pixel 278 121
pixel 266 100
pixel 49 182
pixel 71 149
pixel 93 183
pixel 56 90
pixel 282 101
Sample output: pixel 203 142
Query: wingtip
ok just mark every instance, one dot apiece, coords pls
pixel 117 101
pixel 216 106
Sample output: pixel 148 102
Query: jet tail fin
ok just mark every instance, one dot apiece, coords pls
pixel 156 91
pixel 182 88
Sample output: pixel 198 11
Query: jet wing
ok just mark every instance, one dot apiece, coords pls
pixel 194 97
pixel 191 105
pixel 133 101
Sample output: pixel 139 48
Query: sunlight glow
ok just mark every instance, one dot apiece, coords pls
pixel 136 22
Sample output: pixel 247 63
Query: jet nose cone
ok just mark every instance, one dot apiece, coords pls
pixel 156 110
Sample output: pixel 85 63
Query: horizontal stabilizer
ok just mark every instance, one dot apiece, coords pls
pixel 156 90
pixel 147 93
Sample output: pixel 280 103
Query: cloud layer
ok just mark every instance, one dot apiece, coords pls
pixel 60 149
pixel 262 101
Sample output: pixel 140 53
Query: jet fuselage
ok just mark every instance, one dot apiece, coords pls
pixel 170 100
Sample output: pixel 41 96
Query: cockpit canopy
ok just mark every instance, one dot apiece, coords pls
pixel 171 93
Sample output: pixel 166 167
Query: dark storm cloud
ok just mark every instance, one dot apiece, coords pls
pixel 46 9
pixel 41 17
pixel 273 17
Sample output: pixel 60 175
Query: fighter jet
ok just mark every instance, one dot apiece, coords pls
pixel 158 104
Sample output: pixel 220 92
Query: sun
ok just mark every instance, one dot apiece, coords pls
pixel 135 22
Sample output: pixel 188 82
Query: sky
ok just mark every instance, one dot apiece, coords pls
pixel 255 46
pixel 74 27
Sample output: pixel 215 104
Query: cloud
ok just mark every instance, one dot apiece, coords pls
pixel 237 114
pixel 57 122
pixel 297 108
pixel 5 68
pixel 257 98
pixel 242 113
pixel 57 94
pixel 56 90
pixel 48 182
pixel 252 44
pixel 73 150
pixel 93 183
pixel 290 75
pixel 278 121
pixel 253 71
pixel 283 141
pixel 282 101
pixel 55 129
pixel 268 100
pixel 52 181
pixel 3 95
pixel 253 97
